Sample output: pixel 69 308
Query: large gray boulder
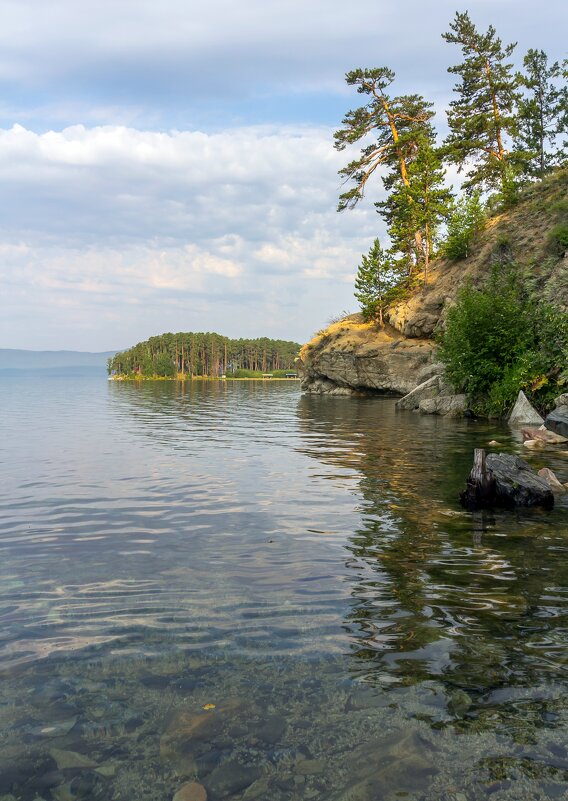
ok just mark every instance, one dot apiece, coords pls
pixel 444 405
pixel 428 389
pixel 557 421
pixel 516 483
pixel 524 413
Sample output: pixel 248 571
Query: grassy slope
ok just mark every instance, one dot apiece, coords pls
pixel 520 235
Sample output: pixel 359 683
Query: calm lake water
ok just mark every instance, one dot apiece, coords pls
pixel 298 563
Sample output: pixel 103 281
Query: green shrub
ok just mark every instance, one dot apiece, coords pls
pixel 466 220
pixel 558 238
pixel 500 340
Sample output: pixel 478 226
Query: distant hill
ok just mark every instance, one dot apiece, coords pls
pixel 14 359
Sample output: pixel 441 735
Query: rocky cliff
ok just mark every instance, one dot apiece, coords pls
pixel 354 356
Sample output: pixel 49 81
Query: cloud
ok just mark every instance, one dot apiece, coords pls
pixel 237 228
pixel 178 64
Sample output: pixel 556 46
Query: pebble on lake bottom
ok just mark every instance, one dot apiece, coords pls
pixel 192 791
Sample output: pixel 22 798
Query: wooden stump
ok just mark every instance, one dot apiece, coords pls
pixel 480 488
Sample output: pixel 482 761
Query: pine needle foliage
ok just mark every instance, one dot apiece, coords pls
pixel 482 118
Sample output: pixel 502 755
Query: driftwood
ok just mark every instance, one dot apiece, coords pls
pixel 480 488
pixel 502 479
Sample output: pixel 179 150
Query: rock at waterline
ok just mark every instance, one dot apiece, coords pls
pixel 557 421
pixel 524 413
pixel 444 405
pixel 548 437
pixel 553 482
pixel 501 479
pixel 534 444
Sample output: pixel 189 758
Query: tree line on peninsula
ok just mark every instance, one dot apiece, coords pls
pixel 188 354
pixel 506 129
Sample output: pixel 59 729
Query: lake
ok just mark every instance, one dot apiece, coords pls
pixel 271 594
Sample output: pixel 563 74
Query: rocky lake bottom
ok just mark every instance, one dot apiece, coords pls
pixel 252 594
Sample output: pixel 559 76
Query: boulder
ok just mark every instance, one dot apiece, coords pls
pixel 524 413
pixel 501 479
pixel 425 391
pixel 554 484
pixel 561 400
pixel 450 405
pixel 557 421
pixel 548 437
pixel 534 444
pixel 516 483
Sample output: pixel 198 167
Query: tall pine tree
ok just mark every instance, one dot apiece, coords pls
pixel 394 122
pixel 481 119
pixel 541 117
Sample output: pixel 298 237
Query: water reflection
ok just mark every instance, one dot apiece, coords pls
pixel 478 601
pixel 296 565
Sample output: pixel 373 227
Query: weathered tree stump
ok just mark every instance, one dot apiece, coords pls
pixel 480 488
pixel 502 479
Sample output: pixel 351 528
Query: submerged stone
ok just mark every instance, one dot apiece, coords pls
pixel 71 759
pixel 192 791
pixel 231 778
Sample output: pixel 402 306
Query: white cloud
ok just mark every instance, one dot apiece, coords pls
pixel 237 228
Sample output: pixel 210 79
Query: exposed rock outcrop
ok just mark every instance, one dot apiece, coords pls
pixel 354 355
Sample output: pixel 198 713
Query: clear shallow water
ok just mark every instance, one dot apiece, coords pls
pixel 302 564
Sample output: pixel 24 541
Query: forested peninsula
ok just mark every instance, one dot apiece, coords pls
pixel 464 303
pixel 188 355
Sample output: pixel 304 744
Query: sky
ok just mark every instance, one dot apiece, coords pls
pixel 170 166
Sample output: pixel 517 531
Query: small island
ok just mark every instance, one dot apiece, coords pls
pixel 189 355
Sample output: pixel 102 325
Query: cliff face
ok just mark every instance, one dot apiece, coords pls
pixel 351 356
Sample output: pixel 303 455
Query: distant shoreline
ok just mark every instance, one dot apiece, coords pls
pixel 196 378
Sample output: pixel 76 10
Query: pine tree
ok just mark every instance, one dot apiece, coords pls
pixel 390 119
pixel 395 123
pixel 374 284
pixel 421 206
pixel 540 113
pixel 482 119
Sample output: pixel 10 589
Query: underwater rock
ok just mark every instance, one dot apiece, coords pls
pixel 272 730
pixel 192 791
pixel 231 778
pixel 71 759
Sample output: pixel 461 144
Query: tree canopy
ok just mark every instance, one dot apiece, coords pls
pixel 203 354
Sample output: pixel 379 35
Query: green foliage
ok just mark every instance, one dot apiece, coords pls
pixel 202 354
pixel 419 206
pixel 540 113
pixel 500 340
pixel 482 116
pixel 467 218
pixel 375 283
pixel 393 121
pixel 558 238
